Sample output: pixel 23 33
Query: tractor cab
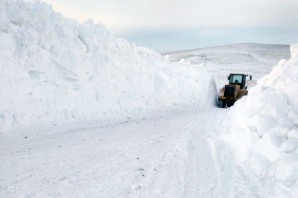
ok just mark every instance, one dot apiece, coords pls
pixel 238 79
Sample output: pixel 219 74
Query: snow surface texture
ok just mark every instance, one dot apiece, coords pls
pixel 54 70
pixel 263 128
pixel 173 156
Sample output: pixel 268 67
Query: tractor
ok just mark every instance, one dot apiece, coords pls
pixel 232 92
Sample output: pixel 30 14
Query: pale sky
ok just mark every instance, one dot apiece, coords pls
pixel 166 25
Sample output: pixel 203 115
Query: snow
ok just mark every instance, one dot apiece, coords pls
pixel 55 70
pixel 169 156
pixel 85 114
pixel 248 58
pixel 263 128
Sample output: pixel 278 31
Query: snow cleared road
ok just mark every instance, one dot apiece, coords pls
pixel 55 71
pixel 176 155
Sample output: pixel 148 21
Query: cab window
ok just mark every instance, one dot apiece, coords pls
pixel 236 79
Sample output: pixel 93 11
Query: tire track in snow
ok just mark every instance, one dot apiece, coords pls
pixel 168 164
pixel 211 170
pixel 174 156
pixel 200 171
pixel 201 175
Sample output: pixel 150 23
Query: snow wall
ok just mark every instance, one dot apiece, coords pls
pixel 263 128
pixel 55 70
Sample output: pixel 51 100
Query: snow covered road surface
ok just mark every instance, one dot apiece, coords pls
pixel 176 155
pixel 55 71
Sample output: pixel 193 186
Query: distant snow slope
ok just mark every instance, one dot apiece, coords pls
pixel 263 129
pixel 54 70
pixel 254 59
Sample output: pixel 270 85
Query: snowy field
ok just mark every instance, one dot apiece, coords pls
pixel 254 59
pixel 87 115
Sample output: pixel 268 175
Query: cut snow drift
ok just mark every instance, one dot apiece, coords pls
pixel 263 128
pixel 54 70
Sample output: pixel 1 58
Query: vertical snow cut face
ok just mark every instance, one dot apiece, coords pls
pixel 54 70
pixel 263 128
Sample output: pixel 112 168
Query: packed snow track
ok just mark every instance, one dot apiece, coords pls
pixel 176 155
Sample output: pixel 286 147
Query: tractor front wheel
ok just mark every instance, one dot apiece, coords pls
pixel 221 104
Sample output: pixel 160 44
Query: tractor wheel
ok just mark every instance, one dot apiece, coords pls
pixel 224 104
pixel 230 104
pixel 221 104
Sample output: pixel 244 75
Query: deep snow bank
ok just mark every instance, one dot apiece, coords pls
pixel 263 128
pixel 54 70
